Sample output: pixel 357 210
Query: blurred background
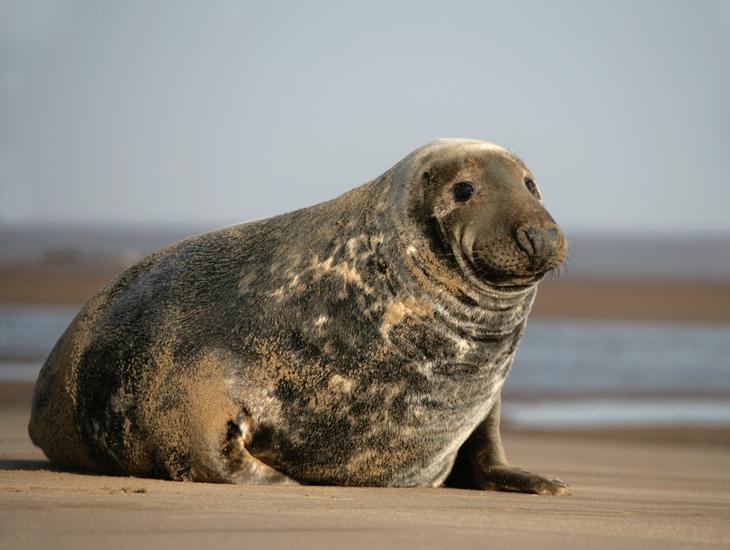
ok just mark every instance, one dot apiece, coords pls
pixel 127 125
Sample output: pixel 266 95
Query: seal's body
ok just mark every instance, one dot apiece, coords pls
pixel 362 341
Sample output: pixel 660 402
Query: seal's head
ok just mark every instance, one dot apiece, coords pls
pixel 483 208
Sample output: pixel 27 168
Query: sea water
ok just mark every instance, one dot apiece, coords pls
pixel 566 372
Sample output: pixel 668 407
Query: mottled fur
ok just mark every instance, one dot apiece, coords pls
pixel 348 343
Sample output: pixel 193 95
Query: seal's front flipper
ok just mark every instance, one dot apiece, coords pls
pixel 507 478
pixel 242 466
pixel 481 464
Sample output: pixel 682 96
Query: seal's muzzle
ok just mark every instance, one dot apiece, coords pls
pixel 541 244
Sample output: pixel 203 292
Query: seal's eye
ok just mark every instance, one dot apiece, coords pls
pixel 532 188
pixel 463 191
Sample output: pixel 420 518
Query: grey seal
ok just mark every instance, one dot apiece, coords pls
pixel 361 341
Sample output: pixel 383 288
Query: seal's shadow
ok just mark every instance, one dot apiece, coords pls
pixel 15 464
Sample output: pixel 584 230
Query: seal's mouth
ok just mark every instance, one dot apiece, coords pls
pixel 507 279
pixel 510 267
pixel 482 273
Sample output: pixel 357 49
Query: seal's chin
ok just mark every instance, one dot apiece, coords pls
pixel 510 277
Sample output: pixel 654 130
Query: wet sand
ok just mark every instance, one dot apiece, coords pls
pixel 628 492
pixel 640 300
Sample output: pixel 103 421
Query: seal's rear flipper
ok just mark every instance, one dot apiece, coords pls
pixel 243 467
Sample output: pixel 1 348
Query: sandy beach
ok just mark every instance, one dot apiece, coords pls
pixel 627 492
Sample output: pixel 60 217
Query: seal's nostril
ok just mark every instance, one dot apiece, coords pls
pixel 531 240
pixel 523 239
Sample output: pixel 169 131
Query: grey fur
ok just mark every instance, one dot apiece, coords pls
pixel 361 341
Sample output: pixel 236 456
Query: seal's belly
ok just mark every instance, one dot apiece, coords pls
pixel 384 438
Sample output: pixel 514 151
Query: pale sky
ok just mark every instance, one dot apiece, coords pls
pixel 213 112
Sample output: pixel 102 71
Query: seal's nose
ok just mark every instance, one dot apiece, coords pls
pixel 539 243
